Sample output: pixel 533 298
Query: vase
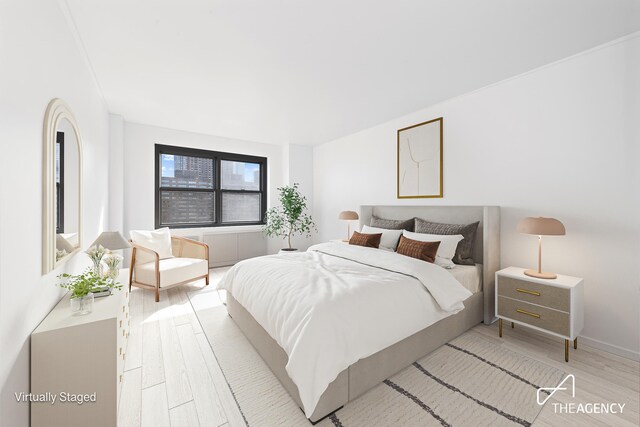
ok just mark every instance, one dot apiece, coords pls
pixel 113 272
pixel 97 268
pixel 82 305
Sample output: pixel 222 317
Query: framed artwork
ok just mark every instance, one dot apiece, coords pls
pixel 420 160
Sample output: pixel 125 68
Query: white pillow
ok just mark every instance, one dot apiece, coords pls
pixel 446 250
pixel 389 239
pixel 158 241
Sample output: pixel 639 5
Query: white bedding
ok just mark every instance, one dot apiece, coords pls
pixel 469 276
pixel 335 304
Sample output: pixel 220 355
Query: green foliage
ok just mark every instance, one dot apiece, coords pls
pixel 82 284
pixel 290 218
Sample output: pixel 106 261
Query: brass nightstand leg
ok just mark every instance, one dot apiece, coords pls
pixel 512 325
pixel 500 327
pixel 575 343
pixel 566 350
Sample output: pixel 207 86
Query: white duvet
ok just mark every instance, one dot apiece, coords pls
pixel 336 303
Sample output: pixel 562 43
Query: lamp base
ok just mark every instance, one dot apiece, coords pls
pixel 542 275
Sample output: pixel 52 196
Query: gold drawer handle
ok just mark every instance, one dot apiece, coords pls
pixel 528 313
pixel 525 291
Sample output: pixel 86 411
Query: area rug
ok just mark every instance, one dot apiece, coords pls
pixel 467 382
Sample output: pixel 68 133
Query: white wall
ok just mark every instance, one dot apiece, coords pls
pixel 561 141
pixel 41 60
pixel 116 173
pixel 299 169
pixel 139 170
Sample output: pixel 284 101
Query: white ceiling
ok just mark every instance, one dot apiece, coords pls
pixel 306 72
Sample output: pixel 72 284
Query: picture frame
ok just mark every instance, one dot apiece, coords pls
pixel 419 160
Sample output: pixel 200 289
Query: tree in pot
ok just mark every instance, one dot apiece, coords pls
pixel 290 218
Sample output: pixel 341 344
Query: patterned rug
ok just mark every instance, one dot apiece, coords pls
pixel 467 382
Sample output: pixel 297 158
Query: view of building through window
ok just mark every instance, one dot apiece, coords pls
pixel 189 193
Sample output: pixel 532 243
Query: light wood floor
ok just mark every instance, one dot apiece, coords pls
pixel 173 379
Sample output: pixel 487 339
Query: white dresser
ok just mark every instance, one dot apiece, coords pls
pixel 554 306
pixel 75 355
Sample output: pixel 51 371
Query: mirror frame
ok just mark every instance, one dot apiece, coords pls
pixel 56 111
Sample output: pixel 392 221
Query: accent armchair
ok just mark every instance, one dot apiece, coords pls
pixel 190 262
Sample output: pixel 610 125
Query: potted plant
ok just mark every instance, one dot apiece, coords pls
pixel 290 218
pixel 82 287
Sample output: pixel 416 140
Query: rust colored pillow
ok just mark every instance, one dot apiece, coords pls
pixel 368 240
pixel 426 251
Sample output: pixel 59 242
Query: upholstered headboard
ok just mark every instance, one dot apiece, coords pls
pixel 487 244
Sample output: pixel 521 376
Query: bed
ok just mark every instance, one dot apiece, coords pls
pixel 468 300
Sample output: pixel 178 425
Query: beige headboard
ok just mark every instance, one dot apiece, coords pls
pixel 487 244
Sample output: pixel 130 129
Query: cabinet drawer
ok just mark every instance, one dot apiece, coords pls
pixel 536 293
pixel 542 317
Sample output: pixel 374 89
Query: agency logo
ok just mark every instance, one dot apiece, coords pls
pixel 569 383
pixel 552 390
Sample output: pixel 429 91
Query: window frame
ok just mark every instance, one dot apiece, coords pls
pixel 217 157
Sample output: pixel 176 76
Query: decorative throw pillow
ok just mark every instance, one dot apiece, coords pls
pixel 389 238
pixel 426 251
pixel 392 224
pixel 464 251
pixel 368 240
pixel 158 241
pixel 446 250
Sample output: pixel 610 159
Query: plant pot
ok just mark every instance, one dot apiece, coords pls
pixel 287 251
pixel 82 305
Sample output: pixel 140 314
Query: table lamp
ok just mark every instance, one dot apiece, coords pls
pixel 541 227
pixel 348 216
pixel 111 240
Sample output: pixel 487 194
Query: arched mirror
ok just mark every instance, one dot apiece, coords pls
pixel 62 186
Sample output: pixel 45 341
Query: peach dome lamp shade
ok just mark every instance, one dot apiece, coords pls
pixel 348 216
pixel 541 226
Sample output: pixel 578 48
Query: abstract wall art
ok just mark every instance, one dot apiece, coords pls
pixel 420 160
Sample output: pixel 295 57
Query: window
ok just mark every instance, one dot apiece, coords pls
pixel 199 188
pixel 59 182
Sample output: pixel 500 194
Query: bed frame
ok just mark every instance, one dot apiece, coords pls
pixel 366 373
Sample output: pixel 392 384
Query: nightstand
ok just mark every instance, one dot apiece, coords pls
pixel 554 306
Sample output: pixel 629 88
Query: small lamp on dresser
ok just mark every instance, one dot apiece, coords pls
pixel 111 240
pixel 348 216
pixel 541 226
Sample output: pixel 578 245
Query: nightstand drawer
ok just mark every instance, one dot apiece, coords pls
pixel 536 293
pixel 545 318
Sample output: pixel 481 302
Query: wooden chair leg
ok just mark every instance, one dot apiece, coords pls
pixel 206 280
pixel 157 279
pixel 132 264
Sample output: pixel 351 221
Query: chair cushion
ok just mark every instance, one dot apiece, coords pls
pixel 172 271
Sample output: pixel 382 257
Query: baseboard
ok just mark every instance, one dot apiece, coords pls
pixel 610 348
